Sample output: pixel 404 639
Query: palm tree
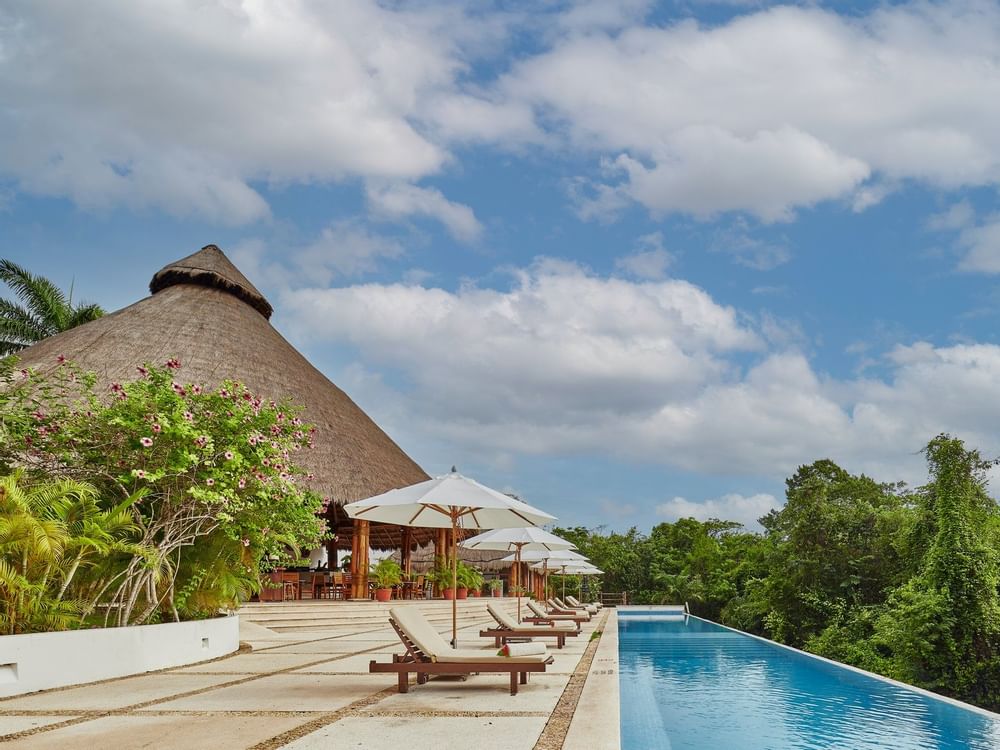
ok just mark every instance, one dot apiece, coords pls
pixel 44 310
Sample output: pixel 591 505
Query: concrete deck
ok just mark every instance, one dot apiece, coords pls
pixel 303 683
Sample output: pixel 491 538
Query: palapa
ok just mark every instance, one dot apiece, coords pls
pixel 204 312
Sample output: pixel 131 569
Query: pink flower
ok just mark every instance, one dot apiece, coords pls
pixel 25 374
pixel 296 421
pixel 310 475
pixel 142 371
pixel 275 446
pixel 201 441
pixel 246 542
pixel 61 359
pixel 228 455
pixel 252 440
pixel 156 427
pixel 188 416
pixel 247 396
pixel 173 363
pixel 146 441
pixel 283 476
pixel 196 389
pixel 265 530
pixel 116 388
pixel 242 483
pixel 224 393
pixel 178 388
pixel 210 482
pixel 266 462
pixel 139 473
pixel 281 416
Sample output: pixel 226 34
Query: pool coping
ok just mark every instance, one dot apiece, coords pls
pixel 597 720
pixel 927 693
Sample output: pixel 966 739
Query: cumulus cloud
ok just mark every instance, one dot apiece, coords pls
pixel 399 201
pixel 564 362
pixel 732 507
pixel 186 106
pixel 779 108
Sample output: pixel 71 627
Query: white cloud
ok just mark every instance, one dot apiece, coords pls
pixel 780 108
pixel 982 246
pixel 568 363
pixel 184 106
pixel 650 259
pixel 731 507
pixel 399 201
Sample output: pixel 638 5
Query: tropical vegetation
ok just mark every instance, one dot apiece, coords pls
pixel 157 499
pixel 899 581
pixel 44 309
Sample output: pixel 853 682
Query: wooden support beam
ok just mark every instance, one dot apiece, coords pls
pixel 405 552
pixel 359 559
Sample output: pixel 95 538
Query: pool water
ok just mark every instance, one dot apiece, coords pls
pixel 690 684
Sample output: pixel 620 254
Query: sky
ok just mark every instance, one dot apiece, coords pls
pixel 633 261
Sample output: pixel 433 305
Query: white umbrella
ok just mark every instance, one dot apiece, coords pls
pixel 558 557
pixel 530 538
pixel 567 566
pixel 448 501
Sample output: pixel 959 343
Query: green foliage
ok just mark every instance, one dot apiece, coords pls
pixel 902 583
pixel 469 577
pixel 44 309
pixel 211 474
pixel 53 534
pixel 386 573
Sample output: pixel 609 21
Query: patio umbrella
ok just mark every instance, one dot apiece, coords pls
pixel 530 538
pixel 566 567
pixel 545 557
pixel 449 501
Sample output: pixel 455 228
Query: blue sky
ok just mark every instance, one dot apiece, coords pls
pixel 632 261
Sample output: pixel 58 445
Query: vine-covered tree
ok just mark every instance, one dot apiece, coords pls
pixel 42 311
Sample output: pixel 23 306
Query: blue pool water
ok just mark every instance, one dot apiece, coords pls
pixel 694 685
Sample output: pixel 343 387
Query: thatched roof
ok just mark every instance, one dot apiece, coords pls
pixel 206 313
pixel 422 558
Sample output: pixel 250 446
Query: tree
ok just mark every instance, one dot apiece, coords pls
pixel 44 309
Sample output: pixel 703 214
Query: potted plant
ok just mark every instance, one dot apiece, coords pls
pixel 496 587
pixel 385 574
pixel 440 574
pixel 462 576
pixel 473 580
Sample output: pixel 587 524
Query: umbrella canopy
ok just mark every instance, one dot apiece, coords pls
pixel 449 501
pixel 528 538
pixel 554 558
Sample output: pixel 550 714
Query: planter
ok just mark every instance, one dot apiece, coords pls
pixel 449 593
pixel 383 595
pixel 462 592
pixel 41 661
pixel 474 592
pixel 497 593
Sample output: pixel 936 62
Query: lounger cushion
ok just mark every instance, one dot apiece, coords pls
pixel 539 612
pixel 421 632
pixel 507 622
pixel 471 656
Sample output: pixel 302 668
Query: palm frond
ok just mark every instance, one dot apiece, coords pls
pixel 43 298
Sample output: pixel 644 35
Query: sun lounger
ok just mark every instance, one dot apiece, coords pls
pixel 540 616
pixel 427 653
pixel 508 628
pixel 555 609
pixel 590 609
pixel 576 603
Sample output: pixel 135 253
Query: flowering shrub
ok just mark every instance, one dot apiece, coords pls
pixel 213 472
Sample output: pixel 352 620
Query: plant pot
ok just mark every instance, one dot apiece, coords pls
pixel 473 592
pixel 463 592
pixel 497 593
pixel 383 595
pixel 449 593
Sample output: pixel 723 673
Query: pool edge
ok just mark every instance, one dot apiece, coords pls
pixel 597 720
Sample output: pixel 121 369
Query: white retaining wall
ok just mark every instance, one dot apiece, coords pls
pixel 39 661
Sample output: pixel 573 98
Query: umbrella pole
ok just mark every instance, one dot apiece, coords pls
pixel 454 578
pixel 517 572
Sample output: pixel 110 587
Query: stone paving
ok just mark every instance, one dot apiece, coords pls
pixel 302 682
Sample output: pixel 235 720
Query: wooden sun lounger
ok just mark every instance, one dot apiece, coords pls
pixel 507 629
pixel 427 654
pixel 548 618
pixel 555 609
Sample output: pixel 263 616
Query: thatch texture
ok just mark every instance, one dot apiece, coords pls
pixel 422 558
pixel 205 313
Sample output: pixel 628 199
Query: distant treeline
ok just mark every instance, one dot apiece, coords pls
pixel 899 581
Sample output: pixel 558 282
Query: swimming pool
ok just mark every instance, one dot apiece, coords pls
pixel 689 684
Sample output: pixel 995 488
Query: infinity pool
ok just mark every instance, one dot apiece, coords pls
pixel 689 684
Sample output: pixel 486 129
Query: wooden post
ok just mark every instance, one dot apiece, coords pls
pixel 404 550
pixel 359 559
pixel 440 550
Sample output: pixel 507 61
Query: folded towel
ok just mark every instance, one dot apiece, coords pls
pixel 522 649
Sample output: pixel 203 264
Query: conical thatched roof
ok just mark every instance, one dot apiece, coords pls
pixel 206 313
